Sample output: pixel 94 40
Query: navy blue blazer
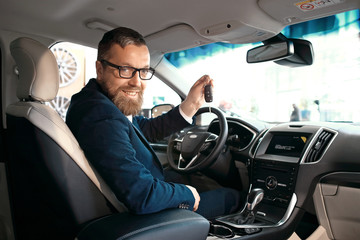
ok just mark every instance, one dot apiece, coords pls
pixel 121 155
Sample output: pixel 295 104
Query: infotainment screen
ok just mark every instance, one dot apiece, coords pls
pixel 285 144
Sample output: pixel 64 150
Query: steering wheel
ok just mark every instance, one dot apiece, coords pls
pixel 196 151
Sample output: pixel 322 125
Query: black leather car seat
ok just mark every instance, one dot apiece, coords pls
pixel 55 193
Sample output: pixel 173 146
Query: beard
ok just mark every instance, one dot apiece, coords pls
pixel 129 107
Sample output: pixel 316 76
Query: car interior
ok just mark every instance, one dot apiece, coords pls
pixel 300 180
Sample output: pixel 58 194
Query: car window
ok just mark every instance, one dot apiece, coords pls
pixel 77 65
pixel 325 91
pixel 75 68
pixel 156 93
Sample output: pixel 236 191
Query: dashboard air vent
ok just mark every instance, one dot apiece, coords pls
pixel 319 146
pixel 257 143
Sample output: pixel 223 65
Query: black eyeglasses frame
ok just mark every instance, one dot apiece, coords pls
pixel 150 69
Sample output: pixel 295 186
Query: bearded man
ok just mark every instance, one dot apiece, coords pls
pixel 102 117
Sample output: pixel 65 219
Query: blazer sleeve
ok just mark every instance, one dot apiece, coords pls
pixel 162 126
pixel 107 138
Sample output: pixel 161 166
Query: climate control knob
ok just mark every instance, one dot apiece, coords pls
pixel 271 182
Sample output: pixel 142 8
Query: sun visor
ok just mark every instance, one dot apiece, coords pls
pixel 235 31
pixel 172 39
pixel 175 38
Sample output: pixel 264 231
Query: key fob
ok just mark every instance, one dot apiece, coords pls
pixel 208 93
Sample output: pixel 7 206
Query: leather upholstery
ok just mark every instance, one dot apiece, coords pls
pixel 53 185
pixel 39 80
pixel 38 70
pixel 173 224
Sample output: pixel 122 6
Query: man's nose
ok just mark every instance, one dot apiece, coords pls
pixel 135 80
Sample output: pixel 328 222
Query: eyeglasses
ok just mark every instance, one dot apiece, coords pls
pixel 129 72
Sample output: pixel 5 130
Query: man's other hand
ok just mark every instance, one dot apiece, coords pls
pixel 196 196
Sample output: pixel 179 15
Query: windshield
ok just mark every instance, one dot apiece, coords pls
pixel 328 90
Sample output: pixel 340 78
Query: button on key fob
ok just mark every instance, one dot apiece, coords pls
pixel 208 93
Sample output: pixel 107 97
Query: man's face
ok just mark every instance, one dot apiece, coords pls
pixel 127 94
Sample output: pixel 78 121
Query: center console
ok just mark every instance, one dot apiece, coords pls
pixel 274 170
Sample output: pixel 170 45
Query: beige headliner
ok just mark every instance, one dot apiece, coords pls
pixel 168 24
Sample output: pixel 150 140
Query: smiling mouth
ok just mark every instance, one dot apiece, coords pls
pixel 130 93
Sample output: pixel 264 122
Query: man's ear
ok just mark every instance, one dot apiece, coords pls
pixel 99 68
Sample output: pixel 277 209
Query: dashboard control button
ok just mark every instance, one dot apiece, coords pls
pixel 271 182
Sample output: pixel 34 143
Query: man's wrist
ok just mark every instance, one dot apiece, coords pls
pixel 186 117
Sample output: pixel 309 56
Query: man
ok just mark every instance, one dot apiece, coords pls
pixel 102 116
pixel 295 114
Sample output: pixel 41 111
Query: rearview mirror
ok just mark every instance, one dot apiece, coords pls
pixel 270 52
pixel 303 54
pixel 288 52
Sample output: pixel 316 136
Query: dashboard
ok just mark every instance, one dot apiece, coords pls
pixel 240 136
pixel 302 167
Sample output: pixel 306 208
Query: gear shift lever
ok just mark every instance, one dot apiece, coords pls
pixel 247 215
pixel 254 198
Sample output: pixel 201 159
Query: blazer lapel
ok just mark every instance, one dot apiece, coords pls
pixel 146 143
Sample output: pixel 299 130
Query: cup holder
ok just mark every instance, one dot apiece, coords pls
pixel 220 231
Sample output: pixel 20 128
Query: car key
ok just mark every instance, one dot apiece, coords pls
pixel 208 93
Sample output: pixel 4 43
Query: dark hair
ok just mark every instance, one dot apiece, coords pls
pixel 122 36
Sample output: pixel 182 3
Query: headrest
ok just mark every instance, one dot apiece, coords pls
pixel 38 70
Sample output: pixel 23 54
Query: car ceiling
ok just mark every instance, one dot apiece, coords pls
pixel 168 25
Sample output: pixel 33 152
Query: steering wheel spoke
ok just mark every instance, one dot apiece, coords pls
pixel 183 164
pixel 208 145
pixel 177 143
